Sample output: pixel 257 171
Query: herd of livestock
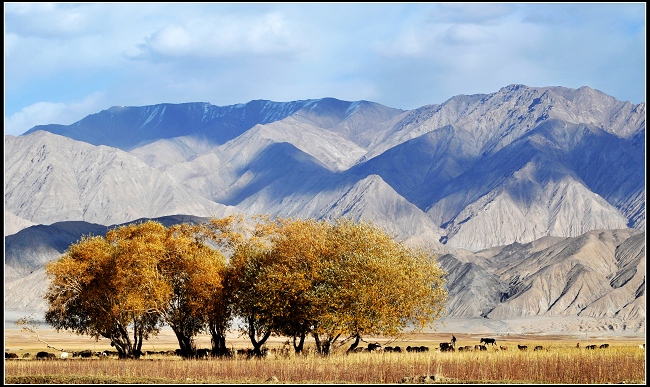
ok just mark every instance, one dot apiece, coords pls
pixel 372 347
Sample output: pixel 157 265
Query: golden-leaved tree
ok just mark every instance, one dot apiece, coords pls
pixel 289 271
pixel 246 244
pixel 195 272
pixel 338 281
pixel 125 285
pixel 109 287
pixel 374 285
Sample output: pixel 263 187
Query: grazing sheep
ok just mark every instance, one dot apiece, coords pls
pixel 603 346
pixel 538 348
pixel 64 355
pixel 593 346
pixel 522 347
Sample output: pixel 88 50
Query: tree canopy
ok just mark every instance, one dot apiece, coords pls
pixel 338 281
pixel 104 285
pixel 128 283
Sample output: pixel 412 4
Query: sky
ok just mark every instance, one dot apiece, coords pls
pixel 65 61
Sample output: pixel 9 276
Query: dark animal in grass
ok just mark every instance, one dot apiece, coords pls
pixel 45 355
pixel 373 347
pixel 446 347
pixel 487 340
pixel 522 347
pixel 202 353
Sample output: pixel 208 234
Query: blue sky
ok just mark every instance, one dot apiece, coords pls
pixel 64 61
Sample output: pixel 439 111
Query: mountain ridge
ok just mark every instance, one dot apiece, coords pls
pixel 477 172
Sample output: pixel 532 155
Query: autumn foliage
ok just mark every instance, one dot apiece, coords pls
pixel 335 281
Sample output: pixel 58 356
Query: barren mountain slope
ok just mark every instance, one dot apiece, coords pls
pixel 50 178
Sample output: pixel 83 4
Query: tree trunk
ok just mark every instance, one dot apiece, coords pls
pixel 355 344
pixel 299 346
pixel 322 346
pixel 252 334
pixel 218 341
pixel 187 345
pixel 121 340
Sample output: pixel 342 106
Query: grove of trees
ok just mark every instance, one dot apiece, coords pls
pixel 336 281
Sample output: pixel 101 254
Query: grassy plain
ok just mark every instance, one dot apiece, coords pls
pixel 558 362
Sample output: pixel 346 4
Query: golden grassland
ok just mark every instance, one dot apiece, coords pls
pixel 558 362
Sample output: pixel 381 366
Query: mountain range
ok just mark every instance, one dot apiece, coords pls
pixel 532 197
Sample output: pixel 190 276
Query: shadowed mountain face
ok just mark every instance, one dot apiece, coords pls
pixel 126 127
pixel 479 171
pixel 488 169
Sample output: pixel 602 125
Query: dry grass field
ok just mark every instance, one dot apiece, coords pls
pixel 559 361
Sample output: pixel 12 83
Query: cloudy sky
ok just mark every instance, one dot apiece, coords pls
pixel 64 61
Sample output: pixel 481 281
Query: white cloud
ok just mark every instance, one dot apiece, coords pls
pixel 403 55
pixel 220 36
pixel 171 40
pixel 474 13
pixel 44 113
pixel 49 20
pixel 11 41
